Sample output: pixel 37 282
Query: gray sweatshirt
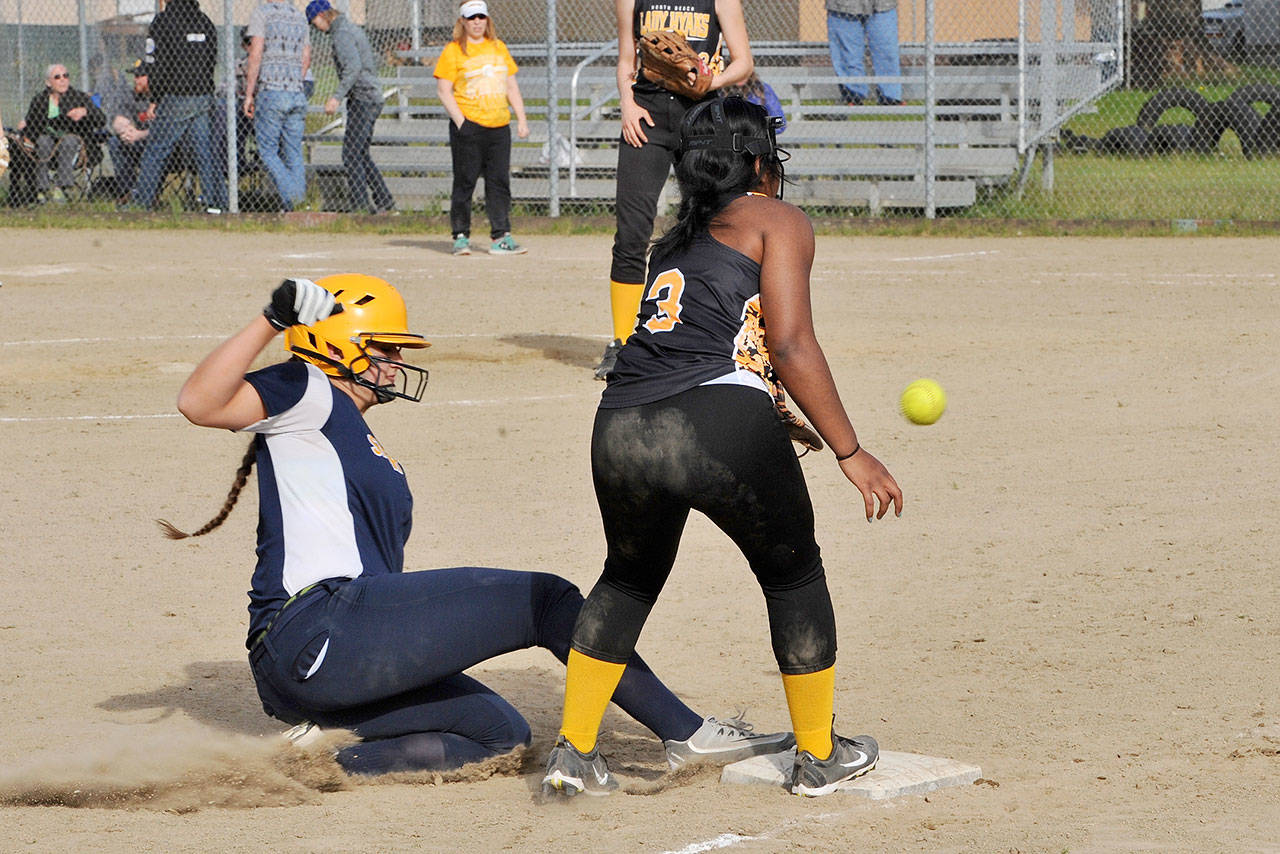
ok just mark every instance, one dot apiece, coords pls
pixel 353 57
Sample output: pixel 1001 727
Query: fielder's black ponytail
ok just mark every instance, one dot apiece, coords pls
pixel 242 477
pixel 710 178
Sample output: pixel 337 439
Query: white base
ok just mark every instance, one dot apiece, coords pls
pixel 895 774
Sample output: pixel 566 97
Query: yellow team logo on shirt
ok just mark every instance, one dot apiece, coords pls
pixel 376 447
pixel 691 25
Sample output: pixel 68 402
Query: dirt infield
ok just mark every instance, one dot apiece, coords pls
pixel 1080 597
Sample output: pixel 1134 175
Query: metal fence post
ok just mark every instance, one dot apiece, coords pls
pixel 553 110
pixel 83 23
pixel 930 111
pixel 1022 76
pixel 229 84
pixel 415 18
pixel 22 58
pixel 1048 85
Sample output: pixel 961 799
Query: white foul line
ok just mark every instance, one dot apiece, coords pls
pixel 108 340
pixel 729 840
pixel 40 418
pixel 724 840
pixel 496 401
pixel 949 255
pixel 429 337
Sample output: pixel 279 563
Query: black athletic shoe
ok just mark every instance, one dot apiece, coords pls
pixel 609 359
pixel 850 757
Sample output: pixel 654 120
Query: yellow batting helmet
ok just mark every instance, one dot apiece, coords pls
pixel 373 312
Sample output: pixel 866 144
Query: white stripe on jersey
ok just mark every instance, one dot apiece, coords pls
pixel 319 531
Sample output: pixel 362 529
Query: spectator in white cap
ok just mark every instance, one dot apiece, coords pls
pixel 476 79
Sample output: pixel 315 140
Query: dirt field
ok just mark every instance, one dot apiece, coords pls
pixel 1080 597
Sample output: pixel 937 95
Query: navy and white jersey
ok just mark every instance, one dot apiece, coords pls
pixel 699 323
pixel 332 503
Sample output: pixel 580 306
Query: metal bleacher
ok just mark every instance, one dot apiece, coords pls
pixel 842 156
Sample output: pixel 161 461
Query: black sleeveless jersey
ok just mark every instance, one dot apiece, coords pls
pixel 694 19
pixel 700 320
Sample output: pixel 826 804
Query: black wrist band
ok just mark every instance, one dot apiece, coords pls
pixel 856 447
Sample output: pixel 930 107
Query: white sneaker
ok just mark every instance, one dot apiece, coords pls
pixel 721 742
pixel 304 734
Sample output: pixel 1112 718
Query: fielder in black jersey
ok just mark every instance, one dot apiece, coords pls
pixel 688 422
pixel 651 119
pixel 339 635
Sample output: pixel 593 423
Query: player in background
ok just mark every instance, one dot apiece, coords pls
pixel 687 422
pixel 476 79
pixel 651 119
pixel 339 636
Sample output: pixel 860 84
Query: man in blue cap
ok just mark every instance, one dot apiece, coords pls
pixel 358 84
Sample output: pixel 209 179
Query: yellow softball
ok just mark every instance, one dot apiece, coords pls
pixel 923 402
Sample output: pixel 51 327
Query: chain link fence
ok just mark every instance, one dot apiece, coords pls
pixel 1060 109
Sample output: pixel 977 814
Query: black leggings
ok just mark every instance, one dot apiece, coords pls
pixel 642 172
pixel 721 450
pixel 480 151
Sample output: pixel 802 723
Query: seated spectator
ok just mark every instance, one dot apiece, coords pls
pixel 22 168
pixel 4 151
pixel 128 109
pixel 756 91
pixel 62 123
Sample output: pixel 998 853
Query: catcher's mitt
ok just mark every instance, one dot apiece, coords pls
pixel 667 60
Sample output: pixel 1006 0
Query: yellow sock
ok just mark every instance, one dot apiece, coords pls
pixel 624 300
pixel 811 698
pixel 588 687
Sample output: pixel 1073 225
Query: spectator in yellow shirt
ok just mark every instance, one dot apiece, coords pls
pixel 476 79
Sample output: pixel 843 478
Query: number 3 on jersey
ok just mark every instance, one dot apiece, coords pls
pixel 666 289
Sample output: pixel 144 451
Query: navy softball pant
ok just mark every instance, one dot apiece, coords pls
pixel 721 450
pixel 383 657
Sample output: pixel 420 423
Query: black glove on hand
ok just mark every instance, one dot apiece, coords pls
pixel 299 301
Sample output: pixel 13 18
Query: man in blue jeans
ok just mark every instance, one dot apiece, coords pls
pixel 279 56
pixel 358 83
pixel 853 26
pixel 182 49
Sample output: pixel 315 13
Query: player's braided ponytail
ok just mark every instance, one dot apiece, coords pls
pixel 242 477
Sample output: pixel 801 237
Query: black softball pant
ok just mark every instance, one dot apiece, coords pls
pixel 641 173
pixel 383 656
pixel 721 450
pixel 478 150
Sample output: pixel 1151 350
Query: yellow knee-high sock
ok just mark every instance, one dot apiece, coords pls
pixel 811 698
pixel 624 301
pixel 588 687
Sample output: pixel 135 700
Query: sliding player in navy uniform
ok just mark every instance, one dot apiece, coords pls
pixel 688 422
pixel 339 636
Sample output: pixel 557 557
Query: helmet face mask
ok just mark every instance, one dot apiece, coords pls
pixel 373 314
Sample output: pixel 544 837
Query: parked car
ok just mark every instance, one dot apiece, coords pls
pixel 1224 27
pixel 1242 24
